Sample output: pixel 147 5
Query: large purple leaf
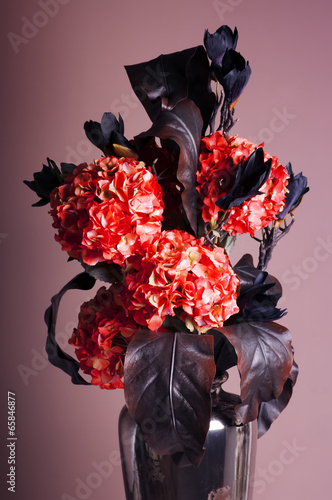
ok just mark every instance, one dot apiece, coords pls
pixel 224 353
pixel 183 124
pixel 168 379
pixel 170 78
pixel 270 410
pixel 265 359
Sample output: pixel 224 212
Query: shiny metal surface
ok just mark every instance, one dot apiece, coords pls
pixel 224 473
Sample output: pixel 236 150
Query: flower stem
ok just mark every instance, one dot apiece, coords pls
pixel 270 239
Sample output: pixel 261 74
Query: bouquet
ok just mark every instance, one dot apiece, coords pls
pixel 155 219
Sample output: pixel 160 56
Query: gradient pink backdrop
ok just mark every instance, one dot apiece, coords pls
pixel 71 70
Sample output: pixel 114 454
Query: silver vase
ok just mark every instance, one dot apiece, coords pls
pixel 225 473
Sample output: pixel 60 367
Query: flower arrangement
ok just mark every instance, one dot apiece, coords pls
pixel 156 218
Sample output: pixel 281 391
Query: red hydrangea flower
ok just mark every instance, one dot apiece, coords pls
pixel 101 338
pixel 103 209
pixel 177 270
pixel 217 163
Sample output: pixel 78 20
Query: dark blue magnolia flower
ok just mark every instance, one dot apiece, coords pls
pixel 297 187
pixel 260 304
pixel 108 136
pixel 259 293
pixel 233 74
pixel 250 176
pixel 217 44
pixel 49 178
pixel 44 182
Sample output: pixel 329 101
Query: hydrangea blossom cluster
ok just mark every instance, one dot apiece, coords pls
pixel 218 160
pixel 101 338
pixel 102 210
pixel 178 271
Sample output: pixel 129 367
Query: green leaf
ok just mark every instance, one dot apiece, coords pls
pixel 227 241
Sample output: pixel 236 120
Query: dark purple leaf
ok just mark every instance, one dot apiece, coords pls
pixel 265 358
pixel 224 353
pixel 183 124
pixel 270 410
pixel 168 379
pixel 170 78
pixel 198 75
pixel 55 354
pixel 104 271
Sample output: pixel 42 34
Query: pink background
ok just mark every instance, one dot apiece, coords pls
pixel 70 69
